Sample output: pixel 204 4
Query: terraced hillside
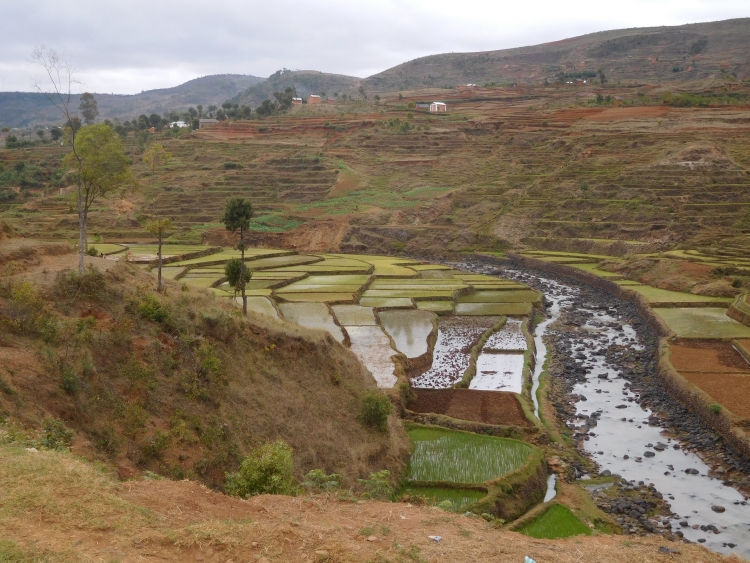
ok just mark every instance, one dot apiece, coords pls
pixel 686 52
pixel 506 167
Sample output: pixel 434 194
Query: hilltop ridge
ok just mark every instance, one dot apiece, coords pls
pixel 686 52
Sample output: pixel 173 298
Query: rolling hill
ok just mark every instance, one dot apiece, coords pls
pixel 24 109
pixel 305 81
pixel 687 52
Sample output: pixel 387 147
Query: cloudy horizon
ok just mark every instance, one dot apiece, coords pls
pixel 128 47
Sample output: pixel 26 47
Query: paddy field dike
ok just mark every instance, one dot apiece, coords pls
pixel 551 291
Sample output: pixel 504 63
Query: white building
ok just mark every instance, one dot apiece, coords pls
pixel 178 124
pixel 438 107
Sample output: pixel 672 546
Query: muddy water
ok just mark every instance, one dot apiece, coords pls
pixel 618 433
pixel 452 353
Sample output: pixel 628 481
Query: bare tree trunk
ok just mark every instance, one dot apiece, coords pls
pixel 158 283
pixel 242 271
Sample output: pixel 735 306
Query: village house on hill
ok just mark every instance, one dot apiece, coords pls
pixel 206 122
pixel 313 99
pixel 296 101
pixel 438 107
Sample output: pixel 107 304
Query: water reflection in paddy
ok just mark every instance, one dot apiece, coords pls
pixel 410 330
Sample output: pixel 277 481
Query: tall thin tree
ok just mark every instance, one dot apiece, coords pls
pixel 61 75
pixel 159 227
pixel 237 215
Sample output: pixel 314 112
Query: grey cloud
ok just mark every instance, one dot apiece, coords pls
pixel 128 46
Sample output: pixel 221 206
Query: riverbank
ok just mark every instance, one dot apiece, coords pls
pixel 663 415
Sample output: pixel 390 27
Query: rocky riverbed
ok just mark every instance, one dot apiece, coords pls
pixel 668 473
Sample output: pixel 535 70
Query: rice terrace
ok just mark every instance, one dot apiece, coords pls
pixel 488 306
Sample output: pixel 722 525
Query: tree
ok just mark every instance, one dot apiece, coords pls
pixel 61 75
pixel 233 272
pixel 40 134
pixel 237 215
pixel 101 167
pixel 56 133
pixel 200 111
pixel 602 78
pixel 155 156
pixel 159 227
pixel 88 108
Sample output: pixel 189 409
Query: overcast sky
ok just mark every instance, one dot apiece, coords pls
pixel 126 46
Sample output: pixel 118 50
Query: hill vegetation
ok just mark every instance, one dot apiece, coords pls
pixel 162 383
pixel 687 52
pixel 24 109
pixel 305 82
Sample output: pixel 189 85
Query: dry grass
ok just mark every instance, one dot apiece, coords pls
pixel 183 521
pixel 150 385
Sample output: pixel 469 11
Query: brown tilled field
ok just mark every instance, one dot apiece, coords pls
pixel 707 356
pixel 729 390
pixel 488 407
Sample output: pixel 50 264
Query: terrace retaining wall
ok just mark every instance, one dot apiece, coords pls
pixel 731 428
pixel 739 310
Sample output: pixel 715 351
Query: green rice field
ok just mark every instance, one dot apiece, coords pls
pixel 461 457
pixel 703 322
pixel 475 309
pixel 459 498
pixel 502 296
pixel 556 522
pixel 655 296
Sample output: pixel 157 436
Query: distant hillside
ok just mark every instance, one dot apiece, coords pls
pixel 685 52
pixel 305 81
pixel 20 109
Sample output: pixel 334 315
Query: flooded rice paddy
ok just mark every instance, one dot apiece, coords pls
pixel 409 330
pixel 374 349
pixel 312 315
pixel 452 354
pixel 622 434
pixel 499 372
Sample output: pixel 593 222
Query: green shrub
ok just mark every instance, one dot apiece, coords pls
pixel 268 469
pixel 374 410
pixel 56 435
pixel 715 408
pixel 27 313
pixel 317 480
pixel 151 309
pixel 154 446
pixel 378 485
pixel 92 251
pixel 232 166
pixel 72 285
pixel 69 383
pixel 107 441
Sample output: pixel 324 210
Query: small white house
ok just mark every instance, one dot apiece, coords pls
pixel 438 107
pixel 178 124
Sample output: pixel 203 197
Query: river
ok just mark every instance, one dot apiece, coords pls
pixel 612 425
